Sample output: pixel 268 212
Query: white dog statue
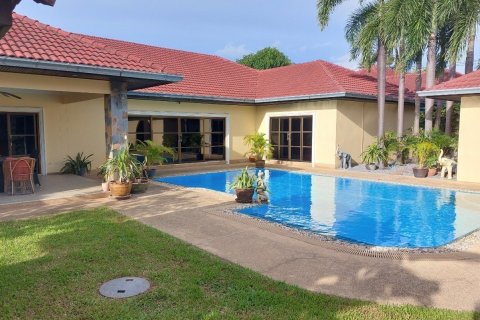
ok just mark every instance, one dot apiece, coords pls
pixel 447 165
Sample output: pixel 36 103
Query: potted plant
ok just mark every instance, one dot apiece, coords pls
pixel 432 163
pixel 424 151
pixel 373 155
pixel 123 168
pixel 244 186
pixel 140 183
pixel 155 154
pixel 105 179
pixel 80 165
pixel 260 148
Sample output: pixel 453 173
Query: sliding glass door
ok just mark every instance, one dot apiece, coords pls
pixel 291 138
pixel 193 139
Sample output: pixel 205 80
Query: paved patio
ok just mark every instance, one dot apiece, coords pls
pixel 197 216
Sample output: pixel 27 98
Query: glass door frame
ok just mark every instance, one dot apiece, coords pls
pixel 40 133
pixel 290 116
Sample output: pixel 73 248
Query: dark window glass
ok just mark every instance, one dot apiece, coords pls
pixel 218 150
pixel 3 135
pixel 283 153
pixel 170 125
pixel 217 139
pixel 275 152
pixel 307 139
pixel 295 153
pixel 295 139
pixel 274 124
pixel 307 154
pixel 296 124
pixel 284 124
pixel 191 140
pixel 170 140
pixel 218 125
pixel 307 124
pixel 274 140
pixel 190 125
pixel 284 139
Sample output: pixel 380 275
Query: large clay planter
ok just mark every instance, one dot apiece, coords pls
pixel 420 172
pixel 120 190
pixel 140 186
pixel 432 172
pixel 260 164
pixel 244 195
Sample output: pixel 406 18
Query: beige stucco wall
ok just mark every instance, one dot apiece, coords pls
pixel 468 144
pixel 357 123
pixel 324 125
pixel 240 118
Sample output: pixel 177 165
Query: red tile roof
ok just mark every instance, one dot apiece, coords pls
pixel 204 76
pixel 471 80
pixel 30 39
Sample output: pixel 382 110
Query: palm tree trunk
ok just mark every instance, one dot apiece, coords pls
pixel 381 81
pixel 431 61
pixel 418 100
pixel 449 112
pixel 401 104
pixel 470 58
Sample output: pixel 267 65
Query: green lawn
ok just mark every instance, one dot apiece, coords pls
pixel 51 268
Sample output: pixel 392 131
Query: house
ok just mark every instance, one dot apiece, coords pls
pixel 465 89
pixel 87 94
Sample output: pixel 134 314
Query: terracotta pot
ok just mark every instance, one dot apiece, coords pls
pixel 420 172
pixel 120 190
pixel 371 166
pixel 252 159
pixel 140 186
pixel 260 164
pixel 432 172
pixel 244 195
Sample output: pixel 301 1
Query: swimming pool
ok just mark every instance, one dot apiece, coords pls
pixel 373 213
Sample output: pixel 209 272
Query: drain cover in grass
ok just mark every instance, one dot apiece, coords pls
pixel 124 287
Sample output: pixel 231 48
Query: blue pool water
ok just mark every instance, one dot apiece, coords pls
pixel 373 213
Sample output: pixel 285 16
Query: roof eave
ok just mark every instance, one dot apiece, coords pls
pixel 135 79
pixel 450 94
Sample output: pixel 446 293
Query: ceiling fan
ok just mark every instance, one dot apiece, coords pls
pixel 9 95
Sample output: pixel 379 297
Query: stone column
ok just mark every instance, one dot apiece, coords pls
pixel 116 118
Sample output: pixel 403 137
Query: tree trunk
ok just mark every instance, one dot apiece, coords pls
pixel 431 61
pixel 418 100
pixel 401 104
pixel 449 111
pixel 381 69
pixel 470 58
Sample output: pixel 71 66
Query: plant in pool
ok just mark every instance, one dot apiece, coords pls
pixel 260 148
pixel 373 155
pixel 244 186
pixel 80 165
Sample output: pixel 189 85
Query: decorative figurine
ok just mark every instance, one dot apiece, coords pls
pixel 261 189
pixel 447 165
pixel 346 158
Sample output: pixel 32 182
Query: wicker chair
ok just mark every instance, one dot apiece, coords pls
pixel 18 175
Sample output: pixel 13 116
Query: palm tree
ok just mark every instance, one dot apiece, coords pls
pixel 363 45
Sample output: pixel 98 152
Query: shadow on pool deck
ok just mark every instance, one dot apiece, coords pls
pixel 196 216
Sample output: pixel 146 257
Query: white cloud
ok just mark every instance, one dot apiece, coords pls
pixel 345 62
pixel 232 51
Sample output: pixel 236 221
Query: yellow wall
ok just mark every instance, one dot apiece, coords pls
pixel 358 122
pixel 68 128
pixel 324 125
pixel 468 144
pixel 242 118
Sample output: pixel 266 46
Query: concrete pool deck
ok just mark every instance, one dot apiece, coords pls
pixel 448 280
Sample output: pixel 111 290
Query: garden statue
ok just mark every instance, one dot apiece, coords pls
pixel 261 189
pixel 346 158
pixel 447 165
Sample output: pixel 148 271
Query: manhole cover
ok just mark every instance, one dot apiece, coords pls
pixel 124 287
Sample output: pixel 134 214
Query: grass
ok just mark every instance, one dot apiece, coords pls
pixel 51 268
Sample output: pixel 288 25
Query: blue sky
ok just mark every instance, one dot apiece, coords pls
pixel 224 27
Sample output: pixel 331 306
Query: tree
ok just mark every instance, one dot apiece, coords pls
pixel 6 10
pixel 266 58
pixel 367 28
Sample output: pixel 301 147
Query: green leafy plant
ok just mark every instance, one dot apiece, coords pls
pixel 374 154
pixel 244 180
pixel 80 165
pixel 122 167
pixel 425 150
pixel 155 154
pixel 259 146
